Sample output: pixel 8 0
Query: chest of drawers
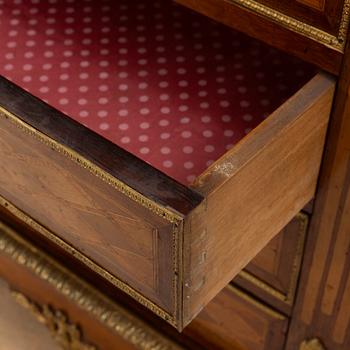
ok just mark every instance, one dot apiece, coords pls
pixel 170 223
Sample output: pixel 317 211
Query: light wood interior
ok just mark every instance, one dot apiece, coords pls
pixel 254 190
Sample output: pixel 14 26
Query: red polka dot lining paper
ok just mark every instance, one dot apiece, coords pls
pixel 164 83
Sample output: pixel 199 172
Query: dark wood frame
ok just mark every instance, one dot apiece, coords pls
pixel 268 31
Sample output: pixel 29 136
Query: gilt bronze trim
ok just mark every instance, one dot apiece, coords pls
pixel 336 42
pixel 66 334
pixel 88 262
pixel 312 344
pixel 110 314
pixel 172 216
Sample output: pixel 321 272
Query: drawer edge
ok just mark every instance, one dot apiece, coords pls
pixel 257 192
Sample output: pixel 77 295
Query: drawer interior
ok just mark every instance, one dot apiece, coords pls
pixel 166 84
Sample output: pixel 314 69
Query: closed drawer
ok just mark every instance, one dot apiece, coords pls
pixel 315 30
pixel 76 315
pixel 273 274
pixel 236 321
pixel 169 244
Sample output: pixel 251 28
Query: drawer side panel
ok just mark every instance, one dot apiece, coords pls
pixel 254 191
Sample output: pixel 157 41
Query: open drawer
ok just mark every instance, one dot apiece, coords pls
pixel 185 180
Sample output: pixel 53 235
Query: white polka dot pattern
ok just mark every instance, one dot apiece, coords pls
pixel 166 84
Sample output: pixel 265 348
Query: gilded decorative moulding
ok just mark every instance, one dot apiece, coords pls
pixel 111 315
pixel 88 262
pixel 312 344
pixel 287 297
pixel 64 333
pixel 336 42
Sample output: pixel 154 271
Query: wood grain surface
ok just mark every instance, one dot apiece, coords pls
pixel 314 4
pixel 323 304
pixel 254 191
pixel 120 235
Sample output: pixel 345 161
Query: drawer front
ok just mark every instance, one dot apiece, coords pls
pixel 235 321
pixel 19 330
pixel 330 16
pixel 274 272
pixel 77 315
pixel 86 212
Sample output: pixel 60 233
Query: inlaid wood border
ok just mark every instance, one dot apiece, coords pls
pixel 88 262
pixel 175 218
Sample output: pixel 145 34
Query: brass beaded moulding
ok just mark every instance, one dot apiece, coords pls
pixel 336 42
pixel 113 316
pixel 167 214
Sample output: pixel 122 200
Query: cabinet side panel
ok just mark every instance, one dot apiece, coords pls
pixel 322 310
